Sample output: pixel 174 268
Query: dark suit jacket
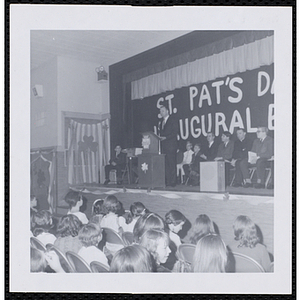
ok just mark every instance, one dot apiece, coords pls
pixel 195 164
pixel 170 131
pixel 226 152
pixel 241 148
pixel 119 160
pixel 264 149
pixel 211 153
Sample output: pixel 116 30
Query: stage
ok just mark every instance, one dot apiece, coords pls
pixel 222 208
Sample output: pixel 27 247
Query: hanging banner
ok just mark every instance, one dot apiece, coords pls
pixel 241 100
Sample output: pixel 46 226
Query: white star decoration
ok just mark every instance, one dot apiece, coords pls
pixel 144 167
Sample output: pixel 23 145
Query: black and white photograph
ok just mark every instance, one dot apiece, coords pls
pixel 155 145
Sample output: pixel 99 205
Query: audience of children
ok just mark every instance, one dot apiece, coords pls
pixel 157 243
pixel 133 258
pixel 152 236
pixel 90 236
pixel 202 226
pixel 210 255
pixel 67 234
pixel 75 201
pixel 246 241
pixel 41 224
pixel 175 221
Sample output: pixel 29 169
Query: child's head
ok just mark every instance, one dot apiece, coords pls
pixel 90 235
pixel 202 226
pixel 134 258
pixel 38 261
pixel 98 208
pixel 175 220
pixel 41 222
pixel 68 225
pixel 245 231
pixel 138 209
pixel 111 204
pixel 146 222
pixel 33 201
pixel 210 255
pixel 120 209
pixel 74 199
pixel 157 243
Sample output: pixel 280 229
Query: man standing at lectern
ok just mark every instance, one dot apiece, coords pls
pixel 168 129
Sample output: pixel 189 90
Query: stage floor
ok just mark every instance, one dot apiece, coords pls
pixel 194 189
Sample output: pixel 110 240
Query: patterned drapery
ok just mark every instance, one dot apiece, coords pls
pixel 87 150
pixel 42 171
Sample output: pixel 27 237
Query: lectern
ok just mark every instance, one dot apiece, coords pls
pixel 151 164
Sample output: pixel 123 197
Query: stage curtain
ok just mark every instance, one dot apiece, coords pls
pixel 253 52
pixel 42 172
pixel 87 150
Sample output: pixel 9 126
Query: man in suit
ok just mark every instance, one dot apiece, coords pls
pixel 263 146
pixel 242 145
pixel 118 163
pixel 210 152
pixel 225 152
pixel 168 130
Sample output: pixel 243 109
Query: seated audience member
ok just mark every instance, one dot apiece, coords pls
pixel 246 241
pixel 132 259
pixel 202 226
pixel 118 163
pixel 211 150
pixel 90 236
pixel 75 201
pixel 225 152
pixel 193 169
pixel 40 260
pixel 242 145
pixel 42 223
pixel 67 232
pixel 210 255
pixel 187 159
pixel 97 211
pixel 137 209
pixel 263 146
pixel 146 222
pixel 175 221
pixel 111 207
pixel 157 243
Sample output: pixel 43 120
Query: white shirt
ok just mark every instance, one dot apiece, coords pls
pixel 92 253
pixel 80 215
pixel 209 145
pixel 112 221
pixel 46 238
pixel 187 157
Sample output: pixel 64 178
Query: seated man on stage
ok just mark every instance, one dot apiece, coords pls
pixel 211 150
pixel 240 159
pixel 225 152
pixel 193 170
pixel 263 146
pixel 117 163
pixel 187 159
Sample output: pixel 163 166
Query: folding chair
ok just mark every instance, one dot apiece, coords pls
pixel 246 264
pixel 98 267
pixel 78 263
